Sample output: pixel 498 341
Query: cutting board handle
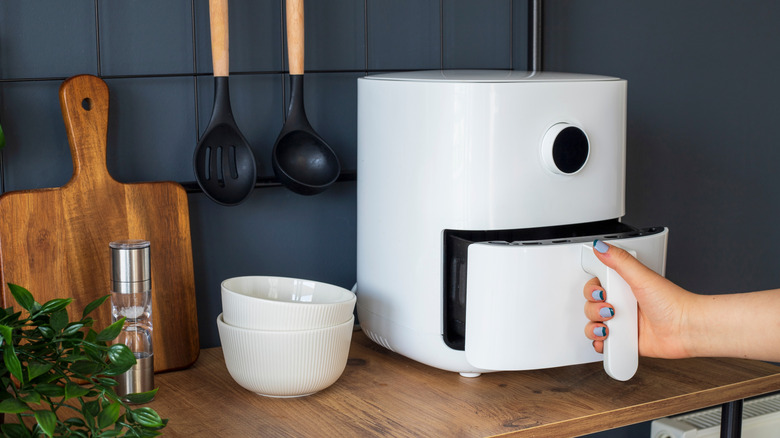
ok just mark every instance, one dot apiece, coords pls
pixel 84 103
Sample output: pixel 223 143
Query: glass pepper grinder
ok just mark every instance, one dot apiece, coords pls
pixel 131 298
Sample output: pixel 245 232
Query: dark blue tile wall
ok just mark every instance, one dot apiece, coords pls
pixel 145 37
pixel 468 43
pixel 398 40
pixel 152 128
pixel 47 38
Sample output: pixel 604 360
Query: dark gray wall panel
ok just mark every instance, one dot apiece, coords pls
pixel 47 38
pixel 335 35
pixel 151 134
pixel 404 34
pixel 36 153
pixel 145 37
pixel 468 42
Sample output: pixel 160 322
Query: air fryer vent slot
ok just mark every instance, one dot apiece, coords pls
pixel 378 339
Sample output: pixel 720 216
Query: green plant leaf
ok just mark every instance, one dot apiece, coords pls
pixel 55 305
pixel 13 406
pixel 92 408
pixel 141 397
pixel 47 420
pixel 121 359
pixel 94 353
pixel 105 381
pixel 75 390
pixel 10 316
pixel 94 305
pixel 72 329
pixel 22 296
pixel 147 417
pixel 35 368
pixel 59 319
pixel 7 333
pixel 77 422
pixel 46 332
pixel 112 433
pixel 109 415
pixel 15 430
pixel 85 368
pixel 49 390
pixel 91 336
pixel 2 138
pixel 32 397
pixel 111 332
pixel 12 362
pixel 74 357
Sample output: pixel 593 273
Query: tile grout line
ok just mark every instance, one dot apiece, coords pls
pixel 365 35
pixel 511 34
pixel 195 71
pixel 283 52
pixel 441 34
pixel 97 38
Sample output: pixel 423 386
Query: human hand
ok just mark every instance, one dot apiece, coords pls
pixel 662 306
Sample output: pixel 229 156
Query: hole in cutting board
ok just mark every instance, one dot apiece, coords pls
pixel 86 103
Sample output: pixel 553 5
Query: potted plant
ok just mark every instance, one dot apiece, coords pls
pixel 56 374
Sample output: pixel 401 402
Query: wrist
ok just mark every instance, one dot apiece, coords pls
pixel 693 330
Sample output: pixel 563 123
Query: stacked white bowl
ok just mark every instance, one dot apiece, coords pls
pixel 285 337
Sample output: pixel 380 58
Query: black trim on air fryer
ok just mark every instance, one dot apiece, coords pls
pixel 455 257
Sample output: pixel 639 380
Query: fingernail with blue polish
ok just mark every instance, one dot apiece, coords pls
pixel 600 246
pixel 606 312
pixel 598 295
pixel 600 331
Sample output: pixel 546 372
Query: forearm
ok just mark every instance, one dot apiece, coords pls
pixel 745 325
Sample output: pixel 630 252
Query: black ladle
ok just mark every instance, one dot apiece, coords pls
pixel 301 159
pixel 225 167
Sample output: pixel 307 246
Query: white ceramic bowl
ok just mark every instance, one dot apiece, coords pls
pixel 284 304
pixel 285 363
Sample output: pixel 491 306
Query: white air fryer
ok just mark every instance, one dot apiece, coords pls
pixel 479 196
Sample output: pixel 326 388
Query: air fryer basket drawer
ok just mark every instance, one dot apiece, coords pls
pixel 456 244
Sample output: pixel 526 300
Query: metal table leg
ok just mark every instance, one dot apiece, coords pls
pixel 731 420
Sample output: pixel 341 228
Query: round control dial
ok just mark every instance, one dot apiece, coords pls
pixel 565 149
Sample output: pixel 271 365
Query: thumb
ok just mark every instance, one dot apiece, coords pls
pixel 637 275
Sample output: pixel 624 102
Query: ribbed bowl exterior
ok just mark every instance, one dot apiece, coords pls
pixel 285 363
pixel 249 302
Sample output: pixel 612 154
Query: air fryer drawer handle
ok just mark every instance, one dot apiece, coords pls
pixel 621 348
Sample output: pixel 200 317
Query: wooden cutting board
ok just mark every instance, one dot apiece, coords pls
pixel 54 242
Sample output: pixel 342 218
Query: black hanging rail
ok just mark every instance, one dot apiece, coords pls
pixel 266 181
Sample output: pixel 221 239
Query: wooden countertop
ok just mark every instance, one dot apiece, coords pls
pixel 383 393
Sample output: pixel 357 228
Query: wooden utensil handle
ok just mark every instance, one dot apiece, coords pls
pixel 295 36
pixel 220 39
pixel 84 104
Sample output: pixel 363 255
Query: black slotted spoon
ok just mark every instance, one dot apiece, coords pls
pixel 224 165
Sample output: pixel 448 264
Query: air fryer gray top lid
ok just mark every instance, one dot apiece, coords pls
pixel 487 76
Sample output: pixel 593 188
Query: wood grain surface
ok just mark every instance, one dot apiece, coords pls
pixel 384 394
pixel 295 36
pixel 54 242
pixel 220 37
